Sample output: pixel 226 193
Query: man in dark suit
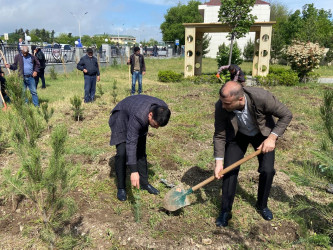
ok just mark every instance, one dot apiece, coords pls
pixel 129 124
pixel 243 116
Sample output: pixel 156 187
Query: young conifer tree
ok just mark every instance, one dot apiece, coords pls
pixel 46 185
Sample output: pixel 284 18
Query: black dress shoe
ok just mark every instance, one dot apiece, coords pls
pixel 121 194
pixel 150 189
pixel 265 213
pixel 222 220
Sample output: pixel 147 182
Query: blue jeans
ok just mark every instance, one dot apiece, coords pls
pixel 89 88
pixel 31 84
pixel 136 75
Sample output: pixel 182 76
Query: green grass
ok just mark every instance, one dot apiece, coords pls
pixel 180 150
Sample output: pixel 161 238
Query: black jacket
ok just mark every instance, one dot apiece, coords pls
pixel 90 64
pixel 141 61
pixel 41 58
pixel 129 121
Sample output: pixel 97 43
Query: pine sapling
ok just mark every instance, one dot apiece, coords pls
pixel 77 107
pixel 53 73
pixel 46 113
pixel 100 89
pixel 137 204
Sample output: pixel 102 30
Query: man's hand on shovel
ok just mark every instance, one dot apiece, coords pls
pixel 218 168
pixel 268 145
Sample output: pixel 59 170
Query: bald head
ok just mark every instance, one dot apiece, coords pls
pixel 25 49
pixel 232 89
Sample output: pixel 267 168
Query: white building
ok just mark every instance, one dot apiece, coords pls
pixel 210 10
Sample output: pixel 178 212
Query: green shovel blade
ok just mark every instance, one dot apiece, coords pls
pixel 177 198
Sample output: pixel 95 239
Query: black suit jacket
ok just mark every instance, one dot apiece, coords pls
pixel 129 121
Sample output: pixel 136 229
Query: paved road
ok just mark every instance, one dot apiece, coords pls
pixel 325 80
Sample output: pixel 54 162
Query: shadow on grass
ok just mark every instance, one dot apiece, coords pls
pixel 309 215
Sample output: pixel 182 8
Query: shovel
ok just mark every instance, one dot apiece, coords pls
pixel 177 197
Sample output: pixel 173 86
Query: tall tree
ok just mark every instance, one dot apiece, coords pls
pixel 310 24
pixel 172 28
pixel 236 13
pixel 280 14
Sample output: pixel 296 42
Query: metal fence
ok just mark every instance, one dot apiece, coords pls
pixel 55 54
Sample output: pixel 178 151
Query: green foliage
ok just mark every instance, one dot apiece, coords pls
pixel 169 76
pixel 325 155
pixel 53 73
pixel 316 218
pixel 249 51
pixel 114 92
pixel 205 44
pixel 326 111
pixel 47 187
pixel 100 89
pixel 77 107
pixel 66 38
pixel 278 77
pixel 46 113
pixel 304 58
pixel 309 25
pixel 222 57
pixel 236 15
pixel 329 56
pixel 172 28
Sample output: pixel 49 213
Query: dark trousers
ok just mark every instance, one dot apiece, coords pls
pixel 235 150
pixel 89 88
pixel 120 162
pixel 3 89
pixel 41 76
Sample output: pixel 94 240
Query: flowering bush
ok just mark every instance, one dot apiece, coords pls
pixel 304 57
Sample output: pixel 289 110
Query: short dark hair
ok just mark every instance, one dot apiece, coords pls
pixel 231 68
pixel 161 114
pixel 136 49
pixel 236 92
pixel 89 50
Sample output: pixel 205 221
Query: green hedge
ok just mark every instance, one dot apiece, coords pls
pixel 278 76
pixel 169 76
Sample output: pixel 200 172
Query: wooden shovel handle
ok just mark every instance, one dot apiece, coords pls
pixel 3 101
pixel 226 170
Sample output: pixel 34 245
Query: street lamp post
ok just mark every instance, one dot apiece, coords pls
pixel 79 21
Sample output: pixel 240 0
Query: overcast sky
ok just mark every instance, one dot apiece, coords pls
pixel 140 18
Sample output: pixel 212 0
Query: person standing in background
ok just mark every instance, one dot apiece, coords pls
pixel 41 58
pixel 89 66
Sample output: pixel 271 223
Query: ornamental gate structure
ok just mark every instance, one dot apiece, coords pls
pixel 193 46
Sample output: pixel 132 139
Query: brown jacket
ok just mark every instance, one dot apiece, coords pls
pixel 262 106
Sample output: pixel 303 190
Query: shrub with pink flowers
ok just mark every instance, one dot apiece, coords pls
pixel 304 57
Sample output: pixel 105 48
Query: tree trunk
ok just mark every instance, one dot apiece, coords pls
pixel 231 46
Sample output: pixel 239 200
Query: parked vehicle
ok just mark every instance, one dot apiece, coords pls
pixel 67 52
pixel 56 52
